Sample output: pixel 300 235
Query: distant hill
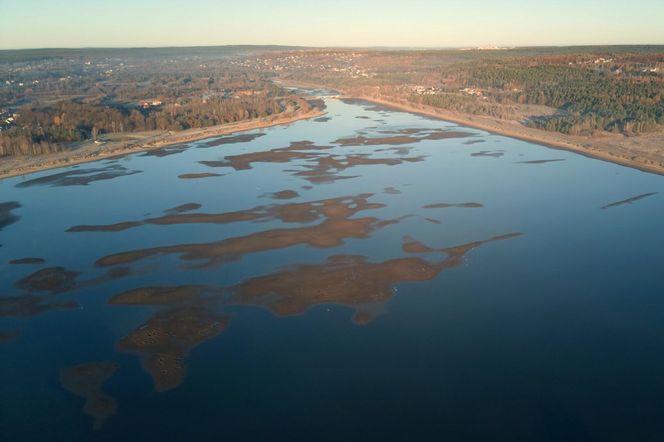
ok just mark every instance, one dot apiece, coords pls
pixel 24 55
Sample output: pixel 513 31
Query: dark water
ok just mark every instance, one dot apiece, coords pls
pixel 371 275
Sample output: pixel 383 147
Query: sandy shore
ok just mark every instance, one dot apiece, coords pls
pixel 643 152
pixel 133 143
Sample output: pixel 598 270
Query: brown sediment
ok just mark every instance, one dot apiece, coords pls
pixel 392 191
pixel 6 215
pixel 205 218
pixel 193 176
pixel 411 245
pixel 51 279
pixel 291 213
pixel 456 253
pixel 284 195
pixel 540 161
pixel 86 381
pixel 330 233
pixel 362 317
pixel 326 169
pixel 188 207
pixel 488 153
pixel 297 150
pixel 119 272
pixel 433 221
pixel 165 340
pixel 242 138
pixel 469 142
pixel 307 187
pixel 630 200
pixel 412 131
pixel 27 261
pixel 448 205
pixel 8 336
pixel 167 151
pixel 323 168
pixel 402 139
pixel 344 279
pixel 117 227
pixel 79 177
pixel 25 306
pixel 157 295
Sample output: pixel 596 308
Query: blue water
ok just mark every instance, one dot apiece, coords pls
pixel 554 333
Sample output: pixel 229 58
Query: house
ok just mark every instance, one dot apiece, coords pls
pixel 472 91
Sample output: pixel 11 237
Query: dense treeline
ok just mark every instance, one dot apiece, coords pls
pixel 585 90
pixel 465 104
pixel 49 103
pixel 47 129
pixel 587 99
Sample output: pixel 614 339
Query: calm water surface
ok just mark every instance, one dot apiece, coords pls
pixel 368 275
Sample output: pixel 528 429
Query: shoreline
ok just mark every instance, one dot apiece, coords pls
pixel 91 152
pixel 514 129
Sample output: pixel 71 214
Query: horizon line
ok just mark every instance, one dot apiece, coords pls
pixel 256 45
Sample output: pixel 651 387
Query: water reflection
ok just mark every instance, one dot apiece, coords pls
pixel 6 215
pixel 80 177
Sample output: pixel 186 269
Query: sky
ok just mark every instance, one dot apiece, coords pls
pixel 402 23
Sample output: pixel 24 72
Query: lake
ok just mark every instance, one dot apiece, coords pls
pixel 366 275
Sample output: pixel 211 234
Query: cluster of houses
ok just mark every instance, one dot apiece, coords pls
pixel 7 119
pixel 150 104
pixel 20 84
pixel 338 62
pixel 424 90
pixel 472 91
pixel 600 60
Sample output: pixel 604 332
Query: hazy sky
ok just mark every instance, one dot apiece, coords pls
pixel 85 23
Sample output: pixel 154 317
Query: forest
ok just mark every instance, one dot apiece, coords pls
pixel 51 100
pixel 54 102
pixel 618 89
